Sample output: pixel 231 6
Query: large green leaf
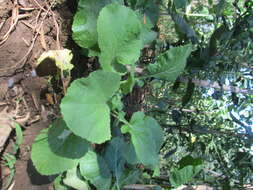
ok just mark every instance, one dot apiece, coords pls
pixel 73 180
pixel 170 63
pixel 115 158
pixel 56 149
pixel 84 107
pixel 85 22
pixel 146 134
pixel 94 168
pixel 118 36
pixel 130 154
pixel 188 168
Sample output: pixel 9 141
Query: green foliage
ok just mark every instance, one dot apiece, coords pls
pixel 127 85
pixel 85 22
pixel 118 36
pixel 130 177
pixel 114 156
pixel 94 168
pixel 10 158
pixel 9 161
pixel 185 174
pixel 180 3
pixel 96 143
pixel 56 149
pixel 19 138
pixel 147 35
pixel 146 134
pixel 58 185
pixel 170 63
pixel 183 29
pixel 88 97
pixel 73 180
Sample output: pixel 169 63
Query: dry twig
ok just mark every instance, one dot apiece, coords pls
pixel 14 20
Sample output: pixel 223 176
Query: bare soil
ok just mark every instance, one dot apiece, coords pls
pixel 26 176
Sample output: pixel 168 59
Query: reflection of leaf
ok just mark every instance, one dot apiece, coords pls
pixel 94 168
pixel 85 102
pixel 56 149
pixel 170 63
pixel 118 36
pixel 62 58
pixel 146 134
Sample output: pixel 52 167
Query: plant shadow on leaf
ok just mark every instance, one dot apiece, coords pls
pixel 56 150
pixel 64 143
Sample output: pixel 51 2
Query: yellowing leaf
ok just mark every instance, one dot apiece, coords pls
pixel 62 58
pixel 193 139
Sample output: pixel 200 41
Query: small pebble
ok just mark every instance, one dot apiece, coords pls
pixel 11 82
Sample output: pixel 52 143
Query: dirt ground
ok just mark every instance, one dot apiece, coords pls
pixel 27 29
pixel 26 176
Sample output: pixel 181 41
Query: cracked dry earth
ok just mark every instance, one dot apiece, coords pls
pixel 27 29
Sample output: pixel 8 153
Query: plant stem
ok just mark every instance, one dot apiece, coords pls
pixel 116 115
